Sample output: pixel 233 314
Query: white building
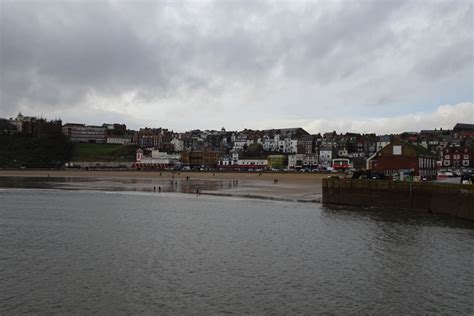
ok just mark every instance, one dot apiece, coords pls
pixel 279 143
pixel 178 145
pixel 297 161
pixel 325 156
pixel 122 140
pixel 240 142
pixel 234 162
pixel 157 160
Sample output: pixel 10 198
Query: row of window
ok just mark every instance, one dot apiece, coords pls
pixel 456 163
pixel 457 157
pixel 426 162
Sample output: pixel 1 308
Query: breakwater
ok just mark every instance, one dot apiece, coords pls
pixel 441 198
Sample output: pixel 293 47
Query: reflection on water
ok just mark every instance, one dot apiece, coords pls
pixel 87 252
pixel 117 184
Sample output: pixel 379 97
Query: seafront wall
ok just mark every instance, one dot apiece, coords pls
pixel 442 198
pixel 102 164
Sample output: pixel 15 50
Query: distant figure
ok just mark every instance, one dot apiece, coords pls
pixel 275 181
pixel 160 173
pixel 154 189
pixel 197 192
pixel 187 178
pixel 159 189
pixel 259 174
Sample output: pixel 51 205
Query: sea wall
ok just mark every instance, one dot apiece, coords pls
pixel 443 198
pixel 101 164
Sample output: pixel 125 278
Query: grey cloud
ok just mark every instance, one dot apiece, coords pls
pixel 224 54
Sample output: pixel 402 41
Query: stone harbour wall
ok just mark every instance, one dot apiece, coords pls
pixel 441 198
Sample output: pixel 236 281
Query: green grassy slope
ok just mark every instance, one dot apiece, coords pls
pixel 103 152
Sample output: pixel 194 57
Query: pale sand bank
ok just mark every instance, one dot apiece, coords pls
pixel 303 187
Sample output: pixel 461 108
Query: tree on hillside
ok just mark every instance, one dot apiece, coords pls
pixel 253 151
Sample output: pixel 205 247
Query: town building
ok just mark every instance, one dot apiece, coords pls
pixel 382 141
pixel 277 161
pixel 178 144
pixel 462 127
pixel 81 133
pixel 121 140
pixel 153 138
pixel 402 159
pixel 233 162
pixel 157 161
pixel 326 155
pixel 306 144
pixel 458 157
pixel 283 140
pixel 200 158
pixel 32 126
pixel 302 161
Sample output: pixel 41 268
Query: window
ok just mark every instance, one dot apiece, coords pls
pixel 397 150
pixel 446 157
pixel 466 156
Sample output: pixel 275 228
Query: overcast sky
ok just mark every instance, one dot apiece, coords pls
pixel 362 66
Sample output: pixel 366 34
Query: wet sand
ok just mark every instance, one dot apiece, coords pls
pixel 302 187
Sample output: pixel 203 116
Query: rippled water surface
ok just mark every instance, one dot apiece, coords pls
pixel 100 252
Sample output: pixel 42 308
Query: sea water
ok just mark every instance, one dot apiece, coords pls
pixel 109 252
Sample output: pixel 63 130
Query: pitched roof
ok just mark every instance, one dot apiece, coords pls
pixel 463 126
pixel 420 150
pixel 295 131
pixel 307 138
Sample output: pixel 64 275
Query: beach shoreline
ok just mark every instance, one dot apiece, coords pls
pixel 282 186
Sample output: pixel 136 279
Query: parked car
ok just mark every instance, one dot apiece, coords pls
pixel 467 178
pixel 445 174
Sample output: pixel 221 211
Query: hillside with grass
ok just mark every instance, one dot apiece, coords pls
pixel 103 152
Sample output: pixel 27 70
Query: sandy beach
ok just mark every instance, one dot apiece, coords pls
pixel 302 187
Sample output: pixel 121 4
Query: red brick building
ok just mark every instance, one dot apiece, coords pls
pixel 405 158
pixel 457 157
